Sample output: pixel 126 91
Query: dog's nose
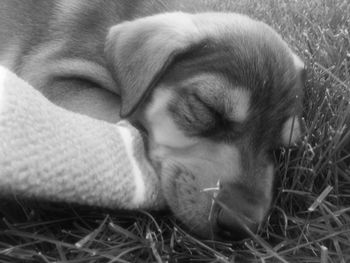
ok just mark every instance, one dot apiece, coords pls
pixel 234 226
pixel 238 212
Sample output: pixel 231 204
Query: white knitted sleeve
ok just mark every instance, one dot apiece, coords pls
pixel 50 153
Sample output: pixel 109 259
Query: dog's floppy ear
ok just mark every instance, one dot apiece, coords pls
pixel 139 52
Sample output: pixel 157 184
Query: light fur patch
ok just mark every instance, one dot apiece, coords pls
pixel 240 104
pixel 163 129
pixel 232 165
pixel 291 131
pixel 3 73
pixel 140 187
pixel 298 63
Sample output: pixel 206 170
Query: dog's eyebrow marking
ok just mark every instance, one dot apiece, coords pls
pixel 237 104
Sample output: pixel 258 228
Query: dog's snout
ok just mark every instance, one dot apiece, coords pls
pixel 238 213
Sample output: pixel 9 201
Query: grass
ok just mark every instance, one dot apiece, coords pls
pixel 310 217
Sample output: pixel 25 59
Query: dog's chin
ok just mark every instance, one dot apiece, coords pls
pixel 187 201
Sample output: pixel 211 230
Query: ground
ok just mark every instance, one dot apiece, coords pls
pixel 310 217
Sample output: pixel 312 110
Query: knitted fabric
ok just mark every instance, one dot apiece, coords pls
pixel 50 153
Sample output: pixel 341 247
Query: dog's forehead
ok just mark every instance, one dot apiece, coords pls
pixel 248 52
pixel 242 63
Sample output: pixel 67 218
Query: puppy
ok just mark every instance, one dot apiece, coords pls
pixel 215 92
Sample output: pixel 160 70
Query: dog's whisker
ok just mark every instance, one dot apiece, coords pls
pixel 210 189
pixel 215 189
pixel 210 217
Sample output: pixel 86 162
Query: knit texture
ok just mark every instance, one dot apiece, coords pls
pixel 50 153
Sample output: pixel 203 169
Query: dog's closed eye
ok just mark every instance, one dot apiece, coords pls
pixel 197 117
pixel 193 113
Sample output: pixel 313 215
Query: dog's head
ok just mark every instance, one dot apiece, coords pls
pixel 217 93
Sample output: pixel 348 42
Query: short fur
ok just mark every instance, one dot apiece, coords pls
pixel 214 91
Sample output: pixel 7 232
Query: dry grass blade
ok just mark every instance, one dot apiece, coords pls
pixel 324 254
pixel 90 237
pixel 320 198
pixel 155 252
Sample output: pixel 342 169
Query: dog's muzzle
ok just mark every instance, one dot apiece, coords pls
pixel 238 211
